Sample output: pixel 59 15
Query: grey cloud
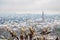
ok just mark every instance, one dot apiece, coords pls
pixel 29 5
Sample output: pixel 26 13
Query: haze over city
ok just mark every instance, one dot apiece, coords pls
pixel 30 6
pixel 29 19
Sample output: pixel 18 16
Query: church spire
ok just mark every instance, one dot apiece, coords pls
pixel 43 16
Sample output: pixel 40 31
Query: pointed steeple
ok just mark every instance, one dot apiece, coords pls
pixel 42 16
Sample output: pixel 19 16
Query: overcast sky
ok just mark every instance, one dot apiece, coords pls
pixel 30 6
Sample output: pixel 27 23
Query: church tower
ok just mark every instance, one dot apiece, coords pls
pixel 42 16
